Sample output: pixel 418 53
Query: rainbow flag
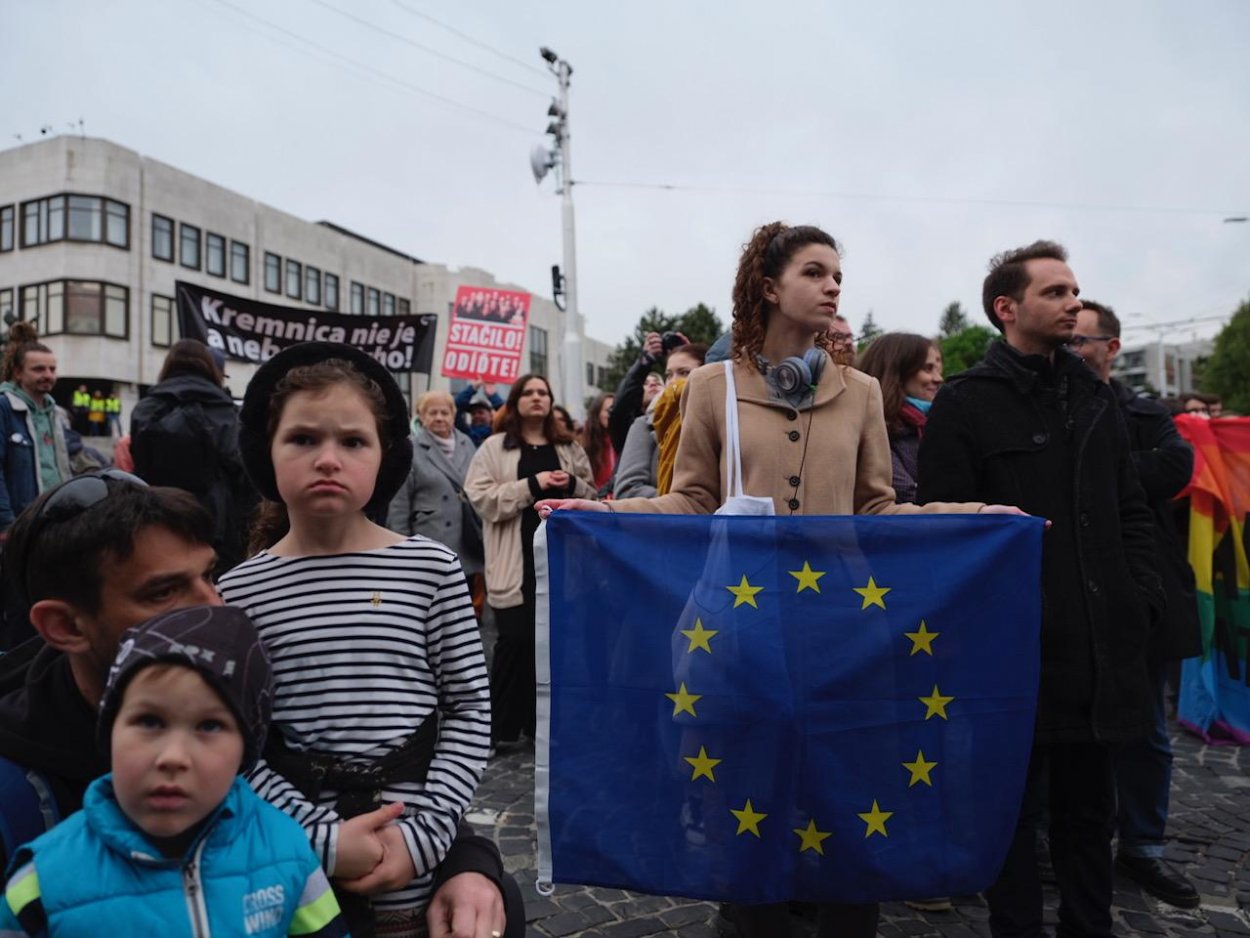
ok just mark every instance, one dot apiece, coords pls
pixel 1215 687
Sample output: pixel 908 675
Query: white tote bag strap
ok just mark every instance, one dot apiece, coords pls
pixel 733 454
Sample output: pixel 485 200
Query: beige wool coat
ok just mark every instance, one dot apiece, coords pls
pixel 500 498
pixel 831 459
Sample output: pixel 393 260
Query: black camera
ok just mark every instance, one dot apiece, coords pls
pixel 672 340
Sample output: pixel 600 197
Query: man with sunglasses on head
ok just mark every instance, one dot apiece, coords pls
pixel 93 557
pixel 1164 463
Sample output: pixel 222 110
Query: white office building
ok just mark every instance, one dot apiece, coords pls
pixel 93 237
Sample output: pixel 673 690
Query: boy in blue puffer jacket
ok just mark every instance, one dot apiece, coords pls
pixel 173 842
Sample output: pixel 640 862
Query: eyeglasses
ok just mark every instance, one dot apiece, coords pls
pixel 842 338
pixel 1079 341
pixel 79 494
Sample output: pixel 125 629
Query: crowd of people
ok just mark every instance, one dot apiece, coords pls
pixel 309 751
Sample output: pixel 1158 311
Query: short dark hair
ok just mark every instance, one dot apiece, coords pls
pixel 62 560
pixel 1009 276
pixel 1108 321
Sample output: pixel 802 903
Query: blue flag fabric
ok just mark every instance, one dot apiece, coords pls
pixel 769 709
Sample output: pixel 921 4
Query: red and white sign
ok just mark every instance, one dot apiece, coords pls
pixel 487 334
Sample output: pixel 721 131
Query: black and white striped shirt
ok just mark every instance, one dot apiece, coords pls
pixel 365 646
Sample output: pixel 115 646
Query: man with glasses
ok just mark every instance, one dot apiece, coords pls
pixel 1164 463
pixel 1031 426
pixel 95 556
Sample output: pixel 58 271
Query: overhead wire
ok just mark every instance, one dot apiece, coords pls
pixel 886 197
pixel 360 66
pixel 429 50
pixel 469 39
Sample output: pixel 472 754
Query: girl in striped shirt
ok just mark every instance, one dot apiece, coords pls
pixel 381 691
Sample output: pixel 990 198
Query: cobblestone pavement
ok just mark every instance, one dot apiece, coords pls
pixel 1209 835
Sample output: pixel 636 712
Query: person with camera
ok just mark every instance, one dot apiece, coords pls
pixel 633 395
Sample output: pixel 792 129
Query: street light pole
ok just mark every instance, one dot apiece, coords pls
pixel 560 157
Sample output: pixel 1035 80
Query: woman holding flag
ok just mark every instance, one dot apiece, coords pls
pixel 810 433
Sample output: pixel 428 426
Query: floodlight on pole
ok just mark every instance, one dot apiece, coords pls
pixel 557 157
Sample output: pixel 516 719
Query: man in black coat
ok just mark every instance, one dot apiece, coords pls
pixel 1032 426
pixel 1164 464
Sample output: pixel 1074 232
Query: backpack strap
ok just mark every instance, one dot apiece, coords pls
pixel 27 806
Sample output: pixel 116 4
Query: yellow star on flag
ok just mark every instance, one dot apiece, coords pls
pixel 748 819
pixel 873 594
pixel 875 819
pixel 703 765
pixel 935 703
pixel 812 838
pixel 699 637
pixel 807 577
pixel 683 700
pixel 922 640
pixel 744 592
pixel 919 770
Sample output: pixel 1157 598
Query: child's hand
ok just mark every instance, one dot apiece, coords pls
pixel 360 847
pixel 394 872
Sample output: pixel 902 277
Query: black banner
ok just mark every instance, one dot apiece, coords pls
pixel 251 331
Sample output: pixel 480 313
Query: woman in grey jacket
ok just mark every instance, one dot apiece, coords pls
pixel 431 501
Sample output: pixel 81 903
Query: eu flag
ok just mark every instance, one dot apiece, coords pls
pixel 768 709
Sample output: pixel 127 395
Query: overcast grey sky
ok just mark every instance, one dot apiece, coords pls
pixel 924 136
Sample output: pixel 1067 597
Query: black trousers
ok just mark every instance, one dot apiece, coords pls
pixel 1077 782
pixel 513 683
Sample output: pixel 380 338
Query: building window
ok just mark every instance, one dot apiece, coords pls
pixel 358 299
pixel 162 238
pixel 215 254
pixel 6 303
pixel 312 285
pixel 273 273
pixel 43 220
pixel 332 291
pixel 90 218
pixel 294 272
pixel 388 304
pixel 375 302
pixel 162 320
pixel 240 262
pixel 404 307
pixel 78 307
pixel 590 374
pixel 6 228
pixel 538 350
pixel 189 253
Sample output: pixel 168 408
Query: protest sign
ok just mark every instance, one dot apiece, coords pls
pixel 251 331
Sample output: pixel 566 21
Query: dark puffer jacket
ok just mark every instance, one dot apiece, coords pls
pixel 185 433
pixel 1049 438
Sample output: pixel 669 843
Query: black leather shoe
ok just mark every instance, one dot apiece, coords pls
pixel 1160 880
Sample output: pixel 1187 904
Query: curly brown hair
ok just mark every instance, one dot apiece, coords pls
pixel 23 338
pixel 765 256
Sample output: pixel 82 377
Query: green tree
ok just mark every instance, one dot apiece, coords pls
pixel 869 331
pixel 965 348
pixel 1226 372
pixel 954 320
pixel 699 324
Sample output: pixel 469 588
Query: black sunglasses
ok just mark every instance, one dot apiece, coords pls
pixel 66 501
pixel 78 494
